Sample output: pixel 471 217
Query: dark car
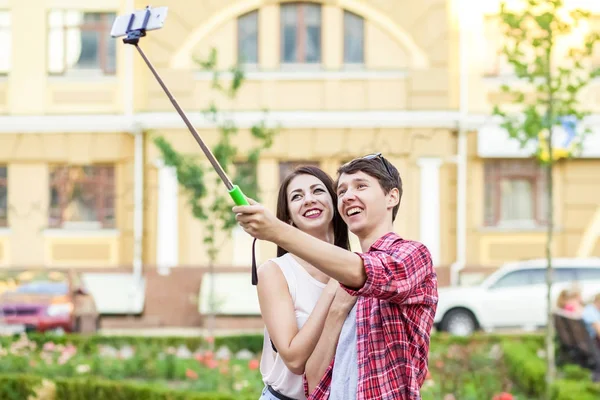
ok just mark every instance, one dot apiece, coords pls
pixel 45 300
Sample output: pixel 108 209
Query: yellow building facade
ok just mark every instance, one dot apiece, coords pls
pixel 83 185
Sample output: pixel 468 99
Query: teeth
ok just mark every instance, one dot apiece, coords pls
pixel 312 212
pixel 353 210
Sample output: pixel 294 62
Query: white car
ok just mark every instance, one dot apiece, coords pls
pixel 514 296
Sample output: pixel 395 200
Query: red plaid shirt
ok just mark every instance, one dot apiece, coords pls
pixel 394 317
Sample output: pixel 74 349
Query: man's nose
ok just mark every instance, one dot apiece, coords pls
pixel 348 196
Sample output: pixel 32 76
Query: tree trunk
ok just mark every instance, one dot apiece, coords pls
pixel 551 367
pixel 211 305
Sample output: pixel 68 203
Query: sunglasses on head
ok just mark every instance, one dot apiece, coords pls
pixel 380 157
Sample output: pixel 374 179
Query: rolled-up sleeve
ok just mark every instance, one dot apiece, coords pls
pixel 397 274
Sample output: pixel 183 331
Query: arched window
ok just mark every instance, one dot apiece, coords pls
pixel 300 33
pixel 248 38
pixel 354 38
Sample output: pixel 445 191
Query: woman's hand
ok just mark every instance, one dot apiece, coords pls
pixel 257 221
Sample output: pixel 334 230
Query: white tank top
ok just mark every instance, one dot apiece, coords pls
pixel 305 292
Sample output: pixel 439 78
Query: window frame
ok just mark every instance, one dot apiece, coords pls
pixel 300 59
pixel 363 56
pixel 103 180
pixel 238 38
pixel 497 170
pixel 103 29
pixel 287 167
pixel 7 28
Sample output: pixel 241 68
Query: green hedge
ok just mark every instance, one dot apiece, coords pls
pixel 88 343
pixel 529 371
pixel 20 387
pixel 253 342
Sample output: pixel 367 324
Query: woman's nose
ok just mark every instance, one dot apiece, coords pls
pixel 309 199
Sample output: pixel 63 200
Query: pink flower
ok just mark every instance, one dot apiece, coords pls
pixel 503 396
pixel 253 364
pixel 49 346
pixel 191 374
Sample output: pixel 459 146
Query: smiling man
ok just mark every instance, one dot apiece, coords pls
pixel 375 342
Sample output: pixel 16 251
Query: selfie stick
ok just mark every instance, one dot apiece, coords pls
pixel 133 37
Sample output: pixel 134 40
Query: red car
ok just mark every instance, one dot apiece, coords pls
pixel 45 300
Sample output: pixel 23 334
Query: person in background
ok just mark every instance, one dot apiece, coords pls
pixel 570 300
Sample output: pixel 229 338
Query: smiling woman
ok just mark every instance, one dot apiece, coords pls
pixel 294 296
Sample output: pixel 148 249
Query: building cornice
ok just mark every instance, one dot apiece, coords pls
pixel 81 123
pixel 493 141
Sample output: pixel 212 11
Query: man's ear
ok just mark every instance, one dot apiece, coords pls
pixel 393 198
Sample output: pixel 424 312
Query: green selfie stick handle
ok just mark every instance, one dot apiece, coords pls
pixel 238 197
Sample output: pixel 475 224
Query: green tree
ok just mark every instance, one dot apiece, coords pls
pixel 545 96
pixel 196 176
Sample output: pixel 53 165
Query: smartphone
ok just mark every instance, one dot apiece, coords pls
pixel 156 21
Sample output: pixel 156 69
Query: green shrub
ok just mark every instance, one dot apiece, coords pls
pixel 529 371
pixel 20 387
pixel 253 343
pixel 17 387
pixel 575 390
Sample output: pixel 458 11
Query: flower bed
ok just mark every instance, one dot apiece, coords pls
pixel 481 367
pixel 181 368
pixel 469 370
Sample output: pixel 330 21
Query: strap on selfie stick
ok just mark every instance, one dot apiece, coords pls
pixel 133 37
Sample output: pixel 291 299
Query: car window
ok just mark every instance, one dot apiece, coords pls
pixel 514 279
pixel 588 274
pixel 44 288
pixel 559 275
pixel 42 282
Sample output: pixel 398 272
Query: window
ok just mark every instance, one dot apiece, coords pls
pixel 519 278
pixel 248 38
pixel 588 274
pixel 535 276
pixel 3 197
pixel 514 193
pixel 559 275
pixel 5 42
pixel 82 197
pixel 81 41
pixel 354 28
pixel 249 171
pixel 300 33
pixel 287 167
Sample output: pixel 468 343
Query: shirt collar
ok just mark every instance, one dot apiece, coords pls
pixel 385 242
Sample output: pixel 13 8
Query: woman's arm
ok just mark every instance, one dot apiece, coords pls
pixel 277 309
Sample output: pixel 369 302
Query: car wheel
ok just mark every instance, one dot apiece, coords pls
pixel 459 323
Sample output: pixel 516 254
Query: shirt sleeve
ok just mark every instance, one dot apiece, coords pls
pixel 590 315
pixel 398 275
pixel 321 391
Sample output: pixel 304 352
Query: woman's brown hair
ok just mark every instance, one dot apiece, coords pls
pixel 340 229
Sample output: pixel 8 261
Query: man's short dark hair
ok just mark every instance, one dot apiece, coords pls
pixel 379 168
